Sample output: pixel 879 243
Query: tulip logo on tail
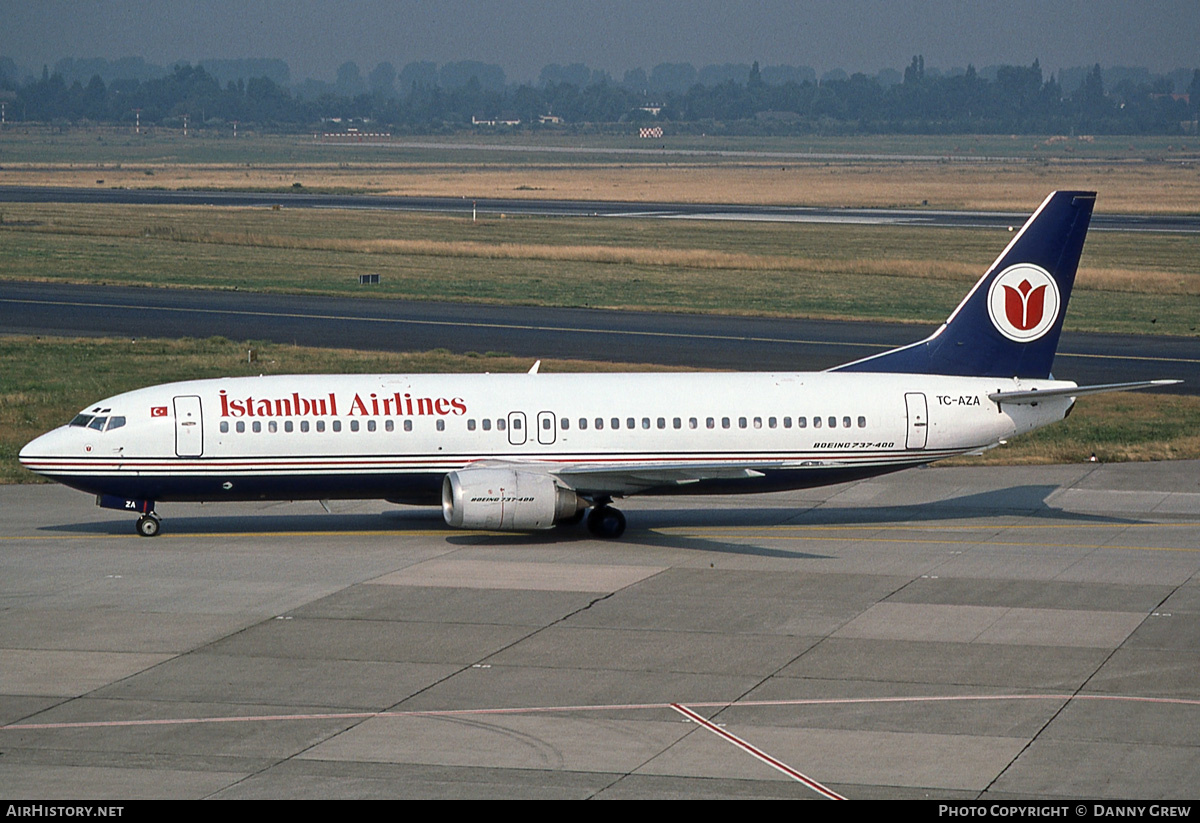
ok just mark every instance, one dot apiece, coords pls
pixel 1023 302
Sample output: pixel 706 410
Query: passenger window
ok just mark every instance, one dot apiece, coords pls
pixel 616 422
pixel 710 423
pixel 645 422
pixel 677 423
pixel 758 422
pixel 441 424
pixel 320 425
pixel 389 425
pixel 566 424
pixel 630 423
pixel 353 425
pixel 787 422
pixel 741 422
pixel 772 422
pixel 693 422
pixel 470 425
pixel 862 422
pixel 272 427
pixel 408 425
pixel 337 425
pixel 287 426
pixel 487 424
pixel 599 422
pixel 833 422
pixel 501 425
pixel 224 427
pixel 845 422
pixel 370 425
pixel 816 422
pixel 583 423
pixel 241 426
pixel 545 424
pixel 724 422
pixel 256 426
pixel 303 425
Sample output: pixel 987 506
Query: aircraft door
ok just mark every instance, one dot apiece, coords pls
pixel 547 428
pixel 918 420
pixel 189 427
pixel 516 428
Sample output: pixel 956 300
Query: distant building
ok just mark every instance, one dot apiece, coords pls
pixel 502 120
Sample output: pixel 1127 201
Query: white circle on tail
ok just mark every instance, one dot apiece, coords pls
pixel 1023 302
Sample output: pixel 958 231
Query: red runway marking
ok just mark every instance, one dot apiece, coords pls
pixel 774 763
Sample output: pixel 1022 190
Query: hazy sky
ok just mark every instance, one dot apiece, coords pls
pixel 524 35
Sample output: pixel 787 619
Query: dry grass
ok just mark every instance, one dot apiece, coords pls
pixel 1133 187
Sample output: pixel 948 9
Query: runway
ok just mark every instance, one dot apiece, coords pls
pixel 699 341
pixel 929 218
pixel 999 633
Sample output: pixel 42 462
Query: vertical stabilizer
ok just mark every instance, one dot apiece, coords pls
pixel 1009 324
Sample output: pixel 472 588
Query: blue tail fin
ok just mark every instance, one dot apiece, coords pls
pixel 1009 324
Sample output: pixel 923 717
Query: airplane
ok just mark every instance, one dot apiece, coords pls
pixel 531 451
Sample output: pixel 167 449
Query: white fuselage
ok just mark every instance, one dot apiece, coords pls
pixel 397 436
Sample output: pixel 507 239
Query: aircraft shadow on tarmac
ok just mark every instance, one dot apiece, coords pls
pixel 1025 501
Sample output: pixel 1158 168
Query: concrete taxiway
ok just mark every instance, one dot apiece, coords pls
pixel 942 633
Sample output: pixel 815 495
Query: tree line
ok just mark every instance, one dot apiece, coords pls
pixel 426 98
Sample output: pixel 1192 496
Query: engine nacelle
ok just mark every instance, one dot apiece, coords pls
pixel 505 499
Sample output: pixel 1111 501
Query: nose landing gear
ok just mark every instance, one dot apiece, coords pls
pixel 148 525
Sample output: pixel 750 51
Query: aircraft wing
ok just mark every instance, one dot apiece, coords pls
pixel 626 477
pixel 605 478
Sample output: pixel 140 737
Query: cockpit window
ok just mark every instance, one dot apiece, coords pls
pixel 92 421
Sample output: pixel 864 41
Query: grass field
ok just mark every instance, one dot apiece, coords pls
pixel 1128 282
pixel 1138 175
pixel 44 382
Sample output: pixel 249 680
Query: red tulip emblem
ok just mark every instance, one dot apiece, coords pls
pixel 1024 305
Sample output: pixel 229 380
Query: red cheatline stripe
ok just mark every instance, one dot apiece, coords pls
pixel 608 707
pixel 778 765
pixel 831 459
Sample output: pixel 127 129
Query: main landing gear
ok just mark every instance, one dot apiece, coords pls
pixel 148 525
pixel 606 522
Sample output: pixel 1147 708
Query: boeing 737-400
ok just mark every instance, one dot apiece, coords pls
pixel 532 450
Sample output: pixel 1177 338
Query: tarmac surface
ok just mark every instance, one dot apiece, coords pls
pixel 928 218
pixel 951 633
pixel 698 341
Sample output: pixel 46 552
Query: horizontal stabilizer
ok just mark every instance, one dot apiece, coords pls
pixel 1035 395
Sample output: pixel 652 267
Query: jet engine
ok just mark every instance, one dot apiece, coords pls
pixel 488 498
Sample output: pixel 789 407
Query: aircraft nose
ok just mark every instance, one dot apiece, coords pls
pixel 48 445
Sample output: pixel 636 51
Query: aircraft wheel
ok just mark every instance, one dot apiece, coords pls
pixel 606 522
pixel 148 525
